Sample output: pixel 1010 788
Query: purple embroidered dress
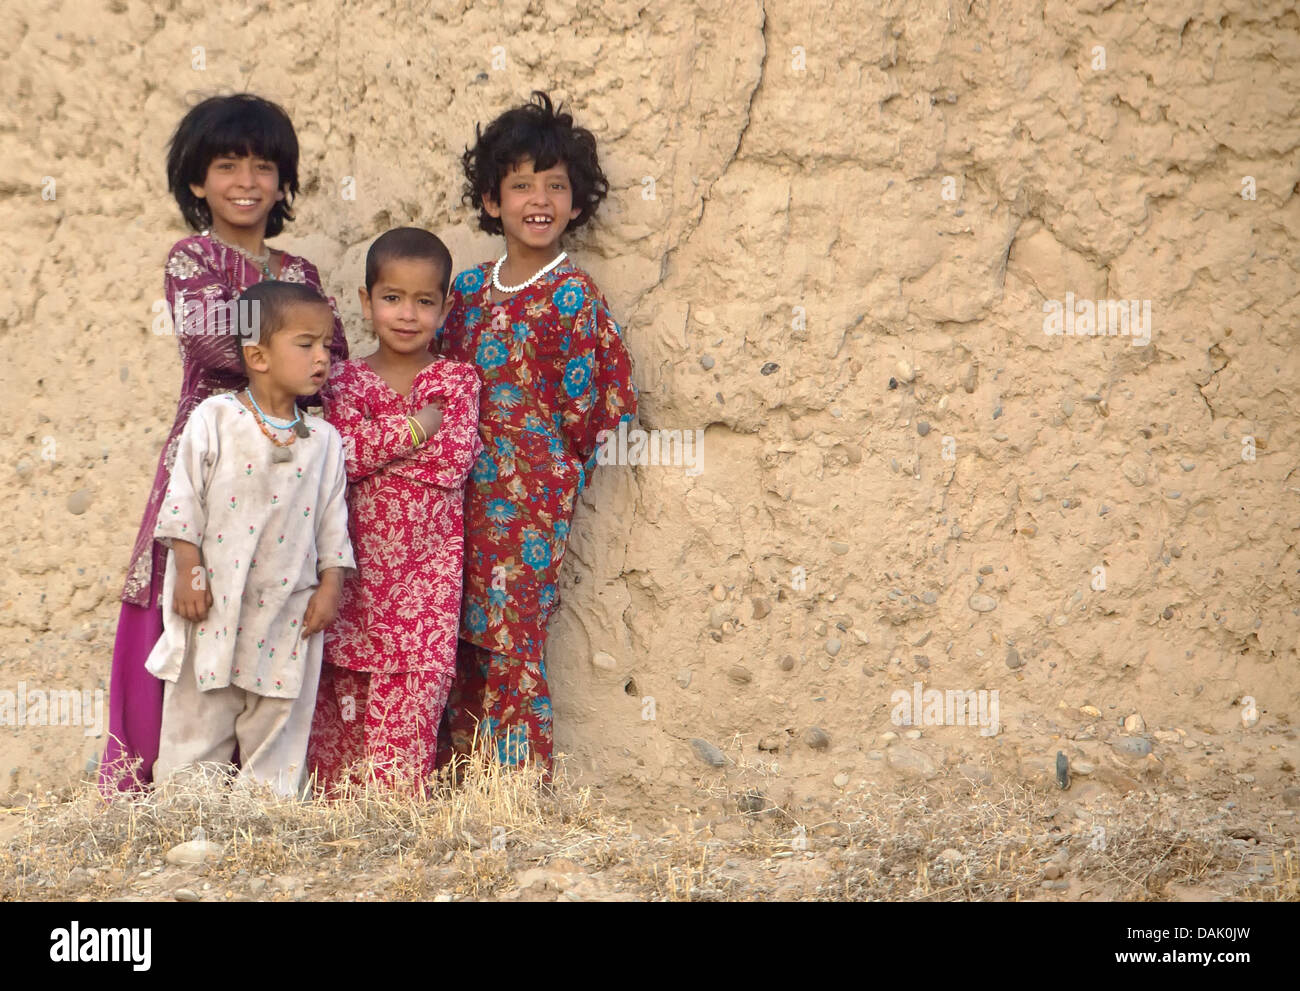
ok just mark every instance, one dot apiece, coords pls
pixel 201 275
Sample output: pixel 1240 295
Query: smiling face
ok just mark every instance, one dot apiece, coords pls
pixel 240 192
pixel 406 304
pixel 296 358
pixel 534 208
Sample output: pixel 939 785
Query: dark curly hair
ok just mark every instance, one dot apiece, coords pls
pixel 539 131
pixel 242 124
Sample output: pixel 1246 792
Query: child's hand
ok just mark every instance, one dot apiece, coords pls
pixel 323 606
pixel 430 417
pixel 192 598
pixel 191 603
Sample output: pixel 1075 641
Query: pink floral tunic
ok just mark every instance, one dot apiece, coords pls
pixel 406 516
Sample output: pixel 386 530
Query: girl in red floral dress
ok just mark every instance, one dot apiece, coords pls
pixel 409 423
pixel 555 375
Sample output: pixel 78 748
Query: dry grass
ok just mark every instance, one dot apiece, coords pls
pixel 945 841
pixel 998 845
pixel 472 826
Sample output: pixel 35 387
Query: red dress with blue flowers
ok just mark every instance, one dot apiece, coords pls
pixel 555 374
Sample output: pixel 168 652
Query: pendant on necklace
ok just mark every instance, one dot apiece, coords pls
pixel 281 454
pixel 301 429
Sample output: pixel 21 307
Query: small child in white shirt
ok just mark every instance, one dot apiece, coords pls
pixel 256 519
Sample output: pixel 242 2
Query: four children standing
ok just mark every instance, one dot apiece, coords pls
pixel 301 630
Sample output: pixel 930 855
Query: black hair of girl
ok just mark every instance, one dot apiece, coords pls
pixel 539 131
pixel 241 124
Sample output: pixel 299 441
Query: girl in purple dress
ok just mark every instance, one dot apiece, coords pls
pixel 233 168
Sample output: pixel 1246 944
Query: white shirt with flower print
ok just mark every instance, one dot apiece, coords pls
pixel 265 530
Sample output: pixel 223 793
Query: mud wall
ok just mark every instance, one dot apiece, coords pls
pixel 831 236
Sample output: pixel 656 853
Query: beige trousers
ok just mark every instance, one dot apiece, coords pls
pixel 199 726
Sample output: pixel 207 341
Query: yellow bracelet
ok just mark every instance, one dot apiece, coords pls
pixel 410 425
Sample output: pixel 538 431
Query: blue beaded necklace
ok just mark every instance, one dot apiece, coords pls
pixel 267 420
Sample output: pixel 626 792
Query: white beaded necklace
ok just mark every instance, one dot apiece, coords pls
pixel 496 274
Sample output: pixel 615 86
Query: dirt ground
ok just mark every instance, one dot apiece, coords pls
pixel 1188 826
